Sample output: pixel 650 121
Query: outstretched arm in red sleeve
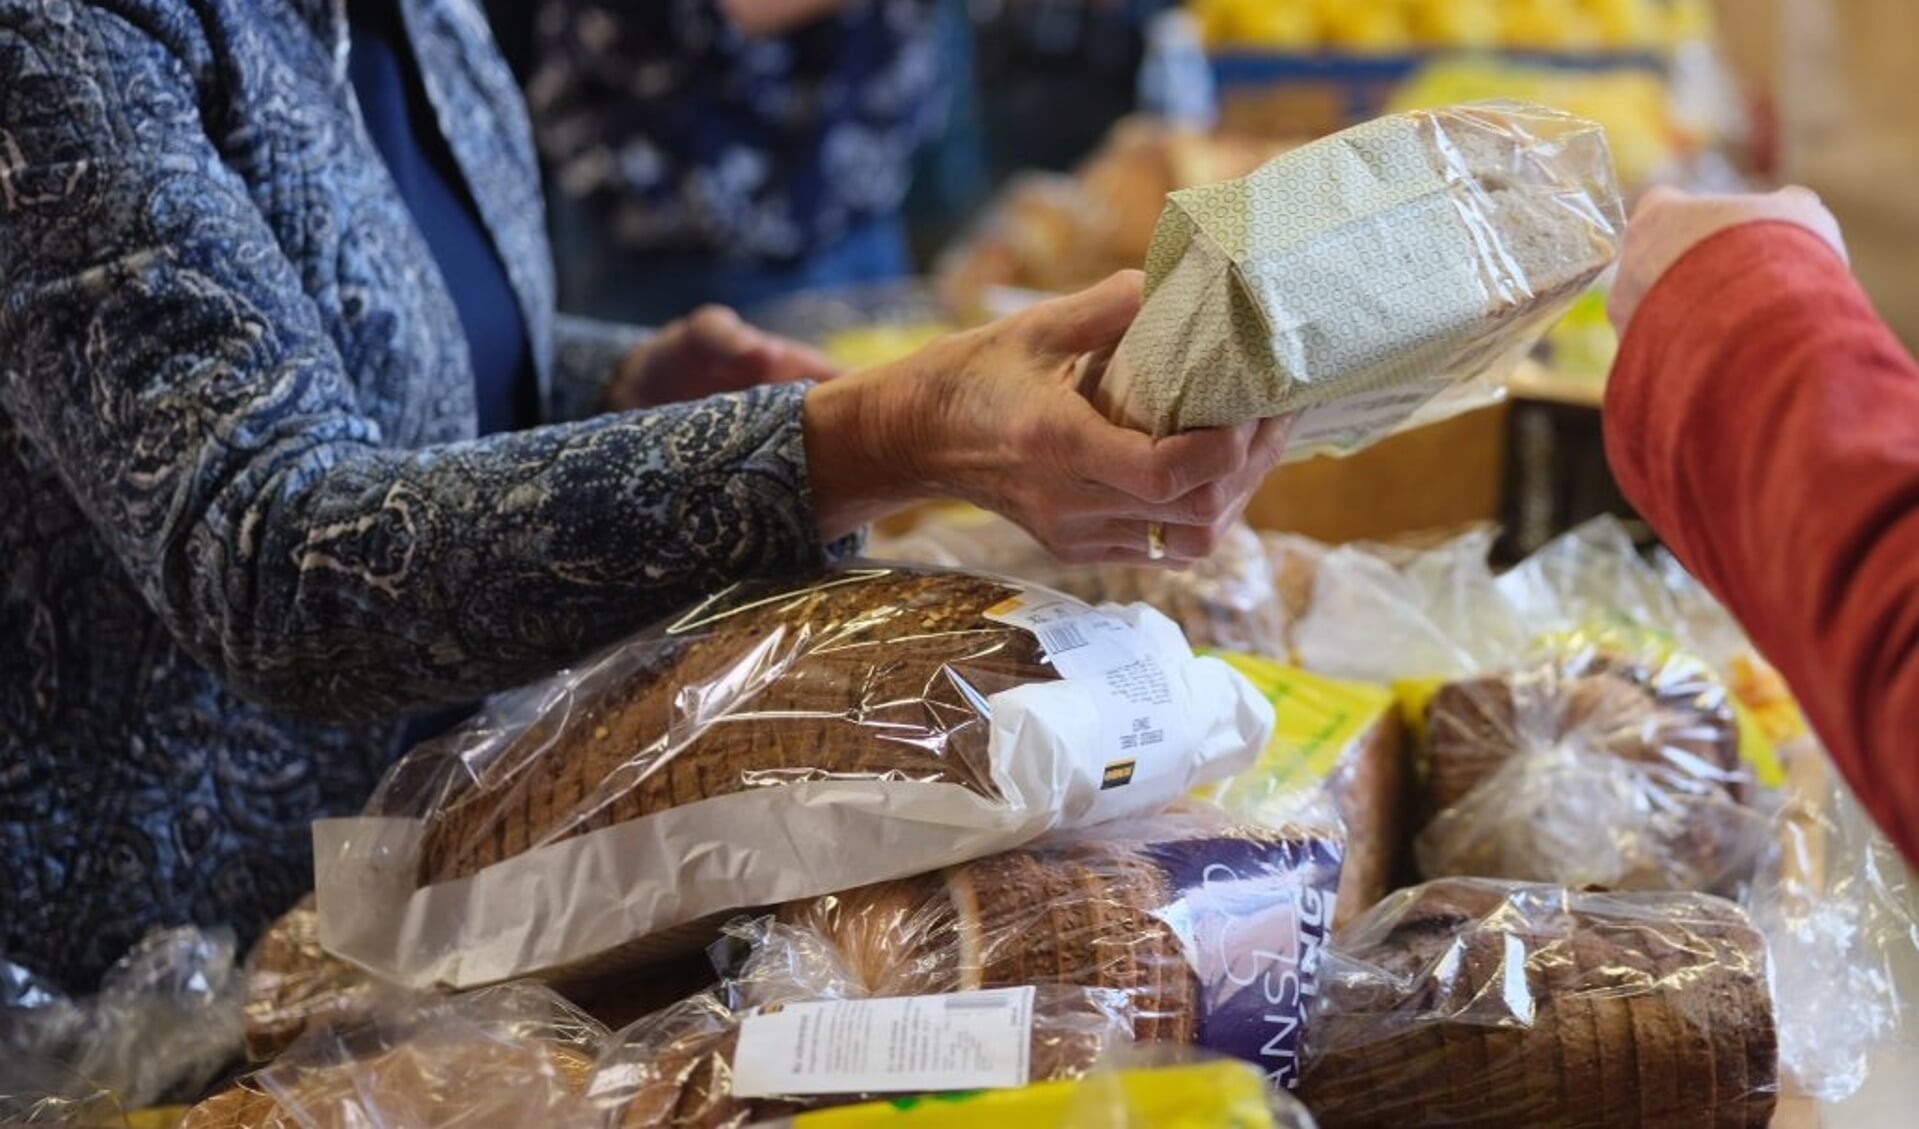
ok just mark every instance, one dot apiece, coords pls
pixel 1766 423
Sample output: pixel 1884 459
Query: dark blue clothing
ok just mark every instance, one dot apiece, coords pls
pixel 245 520
pixel 399 118
pixel 601 279
pixel 765 150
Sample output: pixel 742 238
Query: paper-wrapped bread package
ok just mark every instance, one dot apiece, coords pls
pixel 1350 281
pixel 780 740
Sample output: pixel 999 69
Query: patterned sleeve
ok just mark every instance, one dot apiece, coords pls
pixel 157 346
pixel 586 353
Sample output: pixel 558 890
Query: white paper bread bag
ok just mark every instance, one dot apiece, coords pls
pixel 1352 280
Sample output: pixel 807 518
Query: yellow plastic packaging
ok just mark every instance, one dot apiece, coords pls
pixel 1207 1095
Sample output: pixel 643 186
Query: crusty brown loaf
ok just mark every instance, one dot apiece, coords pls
pixel 242 1105
pixel 1371 788
pixel 1677 725
pixel 483 1084
pixel 868 695
pixel 1226 601
pixel 293 984
pixel 689 1086
pixel 1652 1010
pixel 1093 913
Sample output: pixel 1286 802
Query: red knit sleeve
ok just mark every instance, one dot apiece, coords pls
pixel 1766 423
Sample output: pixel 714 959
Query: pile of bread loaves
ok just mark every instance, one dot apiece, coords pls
pixel 758 837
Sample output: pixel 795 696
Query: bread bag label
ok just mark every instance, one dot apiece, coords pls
pixel 912 1044
pixel 1141 720
pixel 1254 917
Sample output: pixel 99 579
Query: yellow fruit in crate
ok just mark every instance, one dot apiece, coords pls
pixel 1377 28
pixel 1547 25
pixel 1627 23
pixel 1285 25
pixel 1456 23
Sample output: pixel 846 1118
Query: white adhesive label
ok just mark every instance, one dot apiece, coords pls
pixel 913 1044
pixel 1141 716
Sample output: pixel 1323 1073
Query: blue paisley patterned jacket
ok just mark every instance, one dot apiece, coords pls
pixel 244 523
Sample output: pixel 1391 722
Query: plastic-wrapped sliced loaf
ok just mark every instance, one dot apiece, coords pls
pixel 1353 279
pixel 1211 930
pixel 777 741
pixel 1483 1003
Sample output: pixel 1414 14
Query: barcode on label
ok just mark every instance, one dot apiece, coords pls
pixel 1061 638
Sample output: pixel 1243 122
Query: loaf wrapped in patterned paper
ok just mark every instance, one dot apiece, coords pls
pixel 1351 281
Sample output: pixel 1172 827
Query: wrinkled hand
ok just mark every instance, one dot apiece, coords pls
pixel 705 353
pixel 994 417
pixel 1668 223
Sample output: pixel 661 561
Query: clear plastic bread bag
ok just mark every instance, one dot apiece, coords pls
pixel 1565 732
pixel 794 1032
pixel 41 1092
pixel 1337 758
pixel 164 1022
pixel 1211 928
pixel 780 740
pixel 1832 895
pixel 1226 601
pixel 293 983
pixel 1479 1002
pixel 509 1055
pixel 1351 281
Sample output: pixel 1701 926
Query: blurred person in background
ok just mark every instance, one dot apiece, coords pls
pixel 730 151
pixel 294 448
pixel 1830 82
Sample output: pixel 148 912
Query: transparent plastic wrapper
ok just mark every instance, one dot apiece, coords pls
pixel 1565 732
pixel 164 1022
pixel 1387 613
pixel 1225 601
pixel 293 984
pixel 1350 281
pixel 1840 916
pixel 778 741
pixel 509 1055
pixel 38 1092
pixel 1337 757
pixel 1590 770
pixel 680 1068
pixel 1477 1002
pixel 1211 929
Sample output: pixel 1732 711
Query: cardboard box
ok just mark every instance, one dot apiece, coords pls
pixel 1448 473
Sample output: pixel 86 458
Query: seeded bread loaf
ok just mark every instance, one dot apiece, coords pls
pixel 866 674
pixel 1470 1002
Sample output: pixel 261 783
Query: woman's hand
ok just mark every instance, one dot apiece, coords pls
pixel 1668 223
pixel 705 353
pixel 994 417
